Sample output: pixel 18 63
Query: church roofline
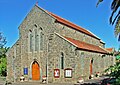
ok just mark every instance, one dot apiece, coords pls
pixel 45 11
pixel 16 43
pixel 72 25
pixel 102 41
pixel 65 39
pixel 68 23
pixel 84 46
pixel 110 49
pixel 38 8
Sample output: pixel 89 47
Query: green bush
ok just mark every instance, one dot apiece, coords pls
pixel 115 73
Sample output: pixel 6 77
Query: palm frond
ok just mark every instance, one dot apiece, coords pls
pixel 110 20
pixel 117 27
pixel 114 6
pixel 115 17
pixel 99 1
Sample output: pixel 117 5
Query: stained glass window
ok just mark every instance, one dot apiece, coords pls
pixel 36 41
pixel 30 42
pixel 41 40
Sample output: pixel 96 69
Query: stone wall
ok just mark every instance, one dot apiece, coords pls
pixel 60 48
pixel 10 76
pixel 37 19
pixel 70 32
pixel 14 62
pixel 77 60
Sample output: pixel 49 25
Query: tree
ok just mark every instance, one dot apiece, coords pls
pixel 2 40
pixel 115 16
pixel 3 61
pixel 3 50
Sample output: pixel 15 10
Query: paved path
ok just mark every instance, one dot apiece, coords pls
pixel 88 82
pixel 2 80
pixel 95 80
pixel 38 83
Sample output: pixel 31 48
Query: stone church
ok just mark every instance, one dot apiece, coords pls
pixel 52 47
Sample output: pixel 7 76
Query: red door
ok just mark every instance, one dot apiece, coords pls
pixel 91 66
pixel 35 71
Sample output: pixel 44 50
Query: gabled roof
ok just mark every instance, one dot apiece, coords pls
pixel 110 49
pixel 73 26
pixel 77 43
pixel 69 24
pixel 86 46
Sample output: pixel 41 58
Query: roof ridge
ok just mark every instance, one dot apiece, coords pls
pixel 103 49
pixel 93 34
pixel 110 49
pixel 45 11
pixel 65 38
pixel 69 23
pixel 73 25
pixel 66 20
pixel 83 45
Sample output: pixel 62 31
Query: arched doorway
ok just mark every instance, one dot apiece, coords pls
pixel 35 71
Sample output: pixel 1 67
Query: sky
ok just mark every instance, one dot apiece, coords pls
pixel 81 12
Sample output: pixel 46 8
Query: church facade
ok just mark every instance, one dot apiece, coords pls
pixel 50 46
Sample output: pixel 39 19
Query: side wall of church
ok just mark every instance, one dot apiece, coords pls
pixel 14 62
pixel 77 60
pixel 10 76
pixel 61 48
pixel 70 32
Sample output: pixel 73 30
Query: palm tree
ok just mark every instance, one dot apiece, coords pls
pixel 117 28
pixel 116 20
pixel 115 7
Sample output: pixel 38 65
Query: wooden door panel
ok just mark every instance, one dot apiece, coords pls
pixel 35 71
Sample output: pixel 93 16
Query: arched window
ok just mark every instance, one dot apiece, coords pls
pixel 31 38
pixel 82 60
pixel 62 61
pixel 41 39
pixel 36 41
